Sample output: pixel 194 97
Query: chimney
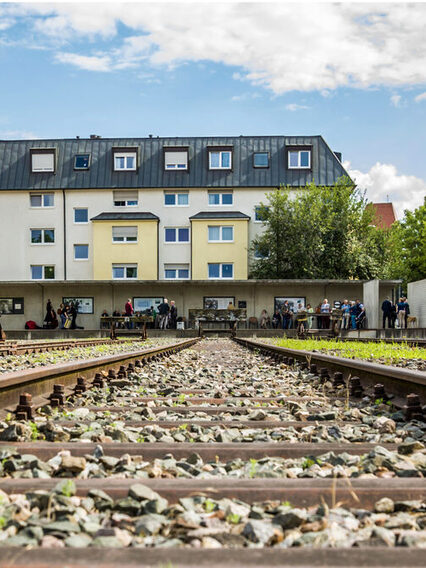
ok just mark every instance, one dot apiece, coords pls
pixel 95 137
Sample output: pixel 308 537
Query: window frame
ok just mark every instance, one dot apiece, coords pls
pixel 254 160
pixel 42 195
pixel 85 259
pixel 255 220
pixel 220 277
pixel 43 271
pixel 221 151
pixel 89 160
pixel 177 241
pixel 299 150
pixel 175 150
pixel 125 153
pixel 81 222
pixel 43 242
pixel 221 194
pixel 39 151
pixel 176 194
pixel 125 240
pixel 221 239
pixel 126 201
pixel 125 266
pixel 176 269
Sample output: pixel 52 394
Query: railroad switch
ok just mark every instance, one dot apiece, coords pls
pixel 24 410
pixel 81 386
pixel 413 409
pixel 380 393
pixel 57 397
pixel 338 379
pixel 355 387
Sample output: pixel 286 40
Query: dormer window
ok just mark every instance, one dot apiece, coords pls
pixel 220 159
pixel 176 159
pixel 299 159
pixel 82 161
pixel 125 160
pixel 43 160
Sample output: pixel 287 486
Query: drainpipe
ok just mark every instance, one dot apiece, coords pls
pixel 65 233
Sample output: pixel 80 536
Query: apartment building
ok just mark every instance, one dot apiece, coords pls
pixel 139 214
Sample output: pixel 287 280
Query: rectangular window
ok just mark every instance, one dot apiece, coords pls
pixel 220 270
pixel 176 199
pixel 42 236
pixel 176 235
pixel 220 159
pixel 175 160
pixel 299 159
pixel 124 271
pixel 258 217
pixel 41 272
pixel 81 215
pixel 42 199
pixel 125 161
pixel 81 252
pixel 124 234
pixel 220 198
pixel 176 271
pixel 125 198
pixel 259 255
pixel 42 161
pixel 81 161
pixel 219 234
pixel 261 160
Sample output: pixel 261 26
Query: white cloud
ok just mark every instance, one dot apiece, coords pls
pixel 245 97
pixel 421 97
pixel 327 45
pixel 383 183
pixel 88 63
pixel 294 107
pixel 17 135
pixel 396 100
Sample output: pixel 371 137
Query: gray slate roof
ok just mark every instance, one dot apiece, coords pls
pixel 15 163
pixel 220 215
pixel 144 216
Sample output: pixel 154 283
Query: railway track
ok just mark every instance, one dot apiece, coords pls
pixel 28 347
pixel 214 456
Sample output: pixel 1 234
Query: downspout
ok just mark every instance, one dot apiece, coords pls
pixel 65 233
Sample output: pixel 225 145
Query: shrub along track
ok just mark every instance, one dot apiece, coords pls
pixel 226 415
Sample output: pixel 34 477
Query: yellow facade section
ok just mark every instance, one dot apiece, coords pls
pixel 235 252
pixel 143 253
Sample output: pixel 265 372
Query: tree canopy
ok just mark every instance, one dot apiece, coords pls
pixel 318 232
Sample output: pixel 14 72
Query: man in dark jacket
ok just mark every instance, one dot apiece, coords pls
pixel 163 311
pixel 387 312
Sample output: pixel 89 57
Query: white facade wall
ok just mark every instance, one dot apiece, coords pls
pixel 17 217
pixel 417 301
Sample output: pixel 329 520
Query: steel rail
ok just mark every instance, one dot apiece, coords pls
pixel 7 349
pixel 401 382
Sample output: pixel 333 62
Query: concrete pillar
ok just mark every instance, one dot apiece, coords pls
pixel 417 301
pixel 371 302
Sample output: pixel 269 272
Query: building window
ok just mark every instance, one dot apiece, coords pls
pixel 41 272
pixel 220 159
pixel 261 160
pixel 42 236
pixel 81 252
pixel 125 161
pixel 176 235
pixel 125 198
pixel 176 271
pixel 176 160
pixel 258 217
pixel 81 161
pixel 176 199
pixel 42 161
pixel 124 271
pixel 42 199
pixel 220 270
pixel 221 234
pixel 220 198
pixel 81 215
pixel 259 255
pixel 299 159
pixel 124 234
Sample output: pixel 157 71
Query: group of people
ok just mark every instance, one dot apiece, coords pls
pixel 288 316
pixel 67 316
pixel 164 317
pixel 395 313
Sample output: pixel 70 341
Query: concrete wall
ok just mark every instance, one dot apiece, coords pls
pixel 371 302
pixel 417 301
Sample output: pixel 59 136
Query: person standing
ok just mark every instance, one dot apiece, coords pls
pixel 173 315
pixel 62 314
pixel 401 313
pixel 49 315
pixel 407 311
pixel 353 310
pixel 285 312
pixel 325 309
pixel 163 312
pixel 72 313
pixel 387 312
pixel 345 307
pixel 128 309
pixel 310 310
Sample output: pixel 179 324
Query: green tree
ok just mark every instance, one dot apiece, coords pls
pixel 318 232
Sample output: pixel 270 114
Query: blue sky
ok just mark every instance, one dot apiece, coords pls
pixel 217 69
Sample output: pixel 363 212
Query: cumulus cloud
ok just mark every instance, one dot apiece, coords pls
pixel 17 135
pixel 278 46
pixel 383 183
pixel 88 63
pixel 396 100
pixel 420 98
pixel 294 107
